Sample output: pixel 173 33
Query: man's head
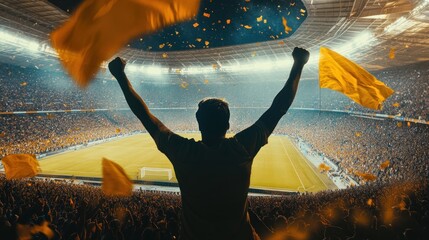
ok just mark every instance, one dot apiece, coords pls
pixel 213 116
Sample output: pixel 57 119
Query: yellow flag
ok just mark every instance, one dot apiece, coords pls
pixel 340 74
pixel 366 176
pixel 323 167
pixel 385 165
pixel 43 228
pixel 115 180
pixel 20 166
pixel 100 28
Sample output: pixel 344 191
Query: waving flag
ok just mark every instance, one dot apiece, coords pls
pixel 20 166
pixel 100 28
pixel 340 74
pixel 115 180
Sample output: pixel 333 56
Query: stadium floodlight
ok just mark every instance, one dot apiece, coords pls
pixel 132 67
pixel 364 39
pixel 258 65
pixel 398 26
pixel 153 70
pixel 147 70
pixel 404 23
pixel 197 70
pixel 19 41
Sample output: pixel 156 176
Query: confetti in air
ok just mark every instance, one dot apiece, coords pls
pixel 385 165
pixel 229 23
pixel 392 53
pixel 287 28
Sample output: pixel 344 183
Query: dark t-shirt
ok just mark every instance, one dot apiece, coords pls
pixel 214 182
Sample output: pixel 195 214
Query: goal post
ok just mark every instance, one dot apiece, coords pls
pixel 145 171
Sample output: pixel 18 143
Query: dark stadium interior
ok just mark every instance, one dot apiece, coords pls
pixel 42 111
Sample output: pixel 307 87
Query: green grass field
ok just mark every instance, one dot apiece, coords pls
pixel 278 166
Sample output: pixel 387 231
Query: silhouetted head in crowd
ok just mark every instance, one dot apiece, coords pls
pixel 213 118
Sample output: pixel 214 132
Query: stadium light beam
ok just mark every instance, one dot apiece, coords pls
pixel 363 39
pixel 19 41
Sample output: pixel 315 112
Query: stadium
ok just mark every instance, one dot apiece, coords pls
pixel 332 169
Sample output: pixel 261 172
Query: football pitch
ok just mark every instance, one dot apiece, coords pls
pixel 278 166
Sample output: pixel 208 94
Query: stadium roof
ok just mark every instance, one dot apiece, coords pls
pixel 366 30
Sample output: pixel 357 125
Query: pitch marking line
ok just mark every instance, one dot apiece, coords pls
pixel 311 167
pixel 290 160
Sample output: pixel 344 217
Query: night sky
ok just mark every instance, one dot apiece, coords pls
pixel 222 23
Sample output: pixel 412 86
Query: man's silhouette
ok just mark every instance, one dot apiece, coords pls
pixel 214 174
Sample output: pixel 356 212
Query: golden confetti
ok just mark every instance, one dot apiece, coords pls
pixel 385 165
pixel 23 84
pixel 281 43
pixel 205 82
pixel 198 39
pixel 259 19
pixel 162 45
pixel 244 9
pixel 206 43
pixel 118 130
pixel 396 104
pixel 302 10
pixel 165 55
pixel 370 202
pixel 196 25
pixel 253 54
pixel 247 27
pixel 207 15
pixel 408 124
pixel 399 124
pixel 228 21
pixel 184 85
pixel 358 134
pixel 287 28
pixel 215 66
pixel 392 53
pixel 265 21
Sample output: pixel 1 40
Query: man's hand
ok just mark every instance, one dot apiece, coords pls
pixel 117 66
pixel 300 55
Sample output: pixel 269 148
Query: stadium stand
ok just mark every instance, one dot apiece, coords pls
pixel 355 144
pixel 26 89
pixel 393 211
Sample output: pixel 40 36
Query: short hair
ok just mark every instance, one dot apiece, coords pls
pixel 213 116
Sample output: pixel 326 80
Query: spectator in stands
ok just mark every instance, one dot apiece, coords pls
pixel 214 174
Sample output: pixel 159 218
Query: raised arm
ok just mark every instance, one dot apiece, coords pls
pixel 285 97
pixel 152 124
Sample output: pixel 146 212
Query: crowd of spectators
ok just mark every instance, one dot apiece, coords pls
pixel 27 89
pixel 361 145
pixel 42 133
pixel 393 211
pixel 355 144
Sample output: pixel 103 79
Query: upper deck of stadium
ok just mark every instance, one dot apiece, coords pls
pixel 364 29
